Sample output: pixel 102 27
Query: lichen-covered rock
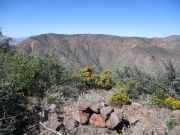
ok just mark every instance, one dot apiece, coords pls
pixel 113 121
pixel 69 123
pixel 106 111
pixel 97 121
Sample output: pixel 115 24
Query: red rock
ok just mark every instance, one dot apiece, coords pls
pixel 113 121
pixel 106 111
pixel 97 121
pixel 82 106
pixel 80 116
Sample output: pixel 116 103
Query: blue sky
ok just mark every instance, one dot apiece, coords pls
pixel 145 18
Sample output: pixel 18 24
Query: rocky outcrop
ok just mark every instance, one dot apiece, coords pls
pixel 81 117
pixel 113 121
pixel 97 121
pixel 135 119
pixel 106 111
pixel 140 119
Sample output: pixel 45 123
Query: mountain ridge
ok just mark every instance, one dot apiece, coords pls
pixel 104 51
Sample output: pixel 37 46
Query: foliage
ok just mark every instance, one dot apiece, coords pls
pixel 171 123
pixel 23 76
pixel 136 81
pixel 148 84
pixel 95 80
pixel 51 100
pixel 172 103
pixel 118 98
pixel 162 99
pixel 132 88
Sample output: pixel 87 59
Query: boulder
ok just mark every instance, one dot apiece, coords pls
pixel 106 111
pixel 97 121
pixel 81 117
pixel 96 108
pixel 82 106
pixel 119 113
pixel 69 123
pixel 113 121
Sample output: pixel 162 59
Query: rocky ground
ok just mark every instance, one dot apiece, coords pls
pixel 99 118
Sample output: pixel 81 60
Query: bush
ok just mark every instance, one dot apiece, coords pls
pixel 172 103
pixel 93 80
pixel 136 81
pixel 118 99
pixel 171 123
pixel 132 88
pixel 149 83
pixel 162 99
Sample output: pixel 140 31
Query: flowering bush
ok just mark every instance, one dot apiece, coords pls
pixel 95 80
pixel 162 99
pixel 118 98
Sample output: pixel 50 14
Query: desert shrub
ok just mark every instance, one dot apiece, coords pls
pixel 23 76
pixel 171 123
pixel 93 80
pixel 168 79
pixel 131 87
pixel 159 97
pixel 136 81
pixel 172 103
pixel 118 98
pixel 91 98
pixel 104 80
pixel 163 99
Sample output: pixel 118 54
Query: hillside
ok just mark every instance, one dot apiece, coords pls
pixel 105 51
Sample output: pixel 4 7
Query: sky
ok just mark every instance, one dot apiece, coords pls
pixel 144 18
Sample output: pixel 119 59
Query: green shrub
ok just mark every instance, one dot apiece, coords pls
pixel 132 88
pixel 172 103
pixel 163 99
pixel 53 100
pixel 93 80
pixel 118 98
pixel 136 80
pixel 171 123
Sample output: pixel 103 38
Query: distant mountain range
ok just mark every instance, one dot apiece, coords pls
pixel 105 51
pixel 17 40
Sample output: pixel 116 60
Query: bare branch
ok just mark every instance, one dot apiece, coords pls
pixel 49 129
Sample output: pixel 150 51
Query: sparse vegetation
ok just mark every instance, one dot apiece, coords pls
pixel 23 76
